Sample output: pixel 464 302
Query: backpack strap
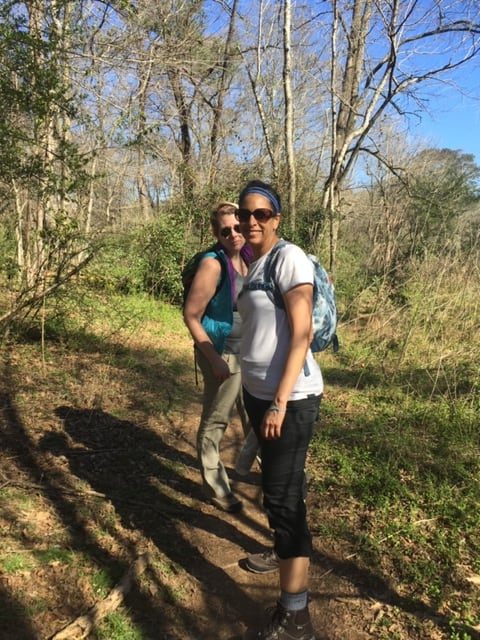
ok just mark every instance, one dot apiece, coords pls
pixel 213 252
pixel 269 283
pixel 190 269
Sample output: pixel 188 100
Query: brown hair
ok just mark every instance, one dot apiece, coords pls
pixel 222 209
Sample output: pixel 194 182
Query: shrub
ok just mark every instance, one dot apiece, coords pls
pixel 118 266
pixel 8 263
pixel 162 247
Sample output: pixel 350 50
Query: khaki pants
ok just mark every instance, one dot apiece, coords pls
pixel 219 402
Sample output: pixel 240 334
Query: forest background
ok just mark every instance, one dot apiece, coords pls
pixel 122 124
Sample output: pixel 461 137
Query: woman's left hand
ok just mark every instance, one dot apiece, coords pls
pixel 272 424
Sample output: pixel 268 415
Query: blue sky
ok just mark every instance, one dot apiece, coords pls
pixel 453 122
pixel 452 118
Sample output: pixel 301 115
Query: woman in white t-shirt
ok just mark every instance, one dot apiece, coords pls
pixel 282 390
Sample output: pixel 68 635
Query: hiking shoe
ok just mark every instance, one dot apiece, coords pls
pixel 265 562
pixel 286 625
pixel 228 503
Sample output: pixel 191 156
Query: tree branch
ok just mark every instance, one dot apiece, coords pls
pixel 82 626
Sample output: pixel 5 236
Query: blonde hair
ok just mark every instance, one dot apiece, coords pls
pixel 224 208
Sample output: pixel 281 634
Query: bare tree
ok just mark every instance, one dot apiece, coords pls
pixel 287 88
pixel 221 93
pixel 419 42
pixel 49 174
pixel 254 73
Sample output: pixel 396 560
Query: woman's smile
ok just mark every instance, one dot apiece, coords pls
pixel 260 233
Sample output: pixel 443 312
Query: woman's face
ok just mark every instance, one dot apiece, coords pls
pixel 228 233
pixel 259 233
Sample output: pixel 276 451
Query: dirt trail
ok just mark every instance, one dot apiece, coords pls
pixel 338 608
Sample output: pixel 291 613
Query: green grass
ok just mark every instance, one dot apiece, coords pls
pixel 34 606
pixel 15 499
pixel 16 563
pixel 84 313
pixel 54 555
pixel 20 562
pixel 408 464
pixel 117 626
pixel 102 583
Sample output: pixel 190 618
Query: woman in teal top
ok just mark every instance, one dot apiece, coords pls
pixel 211 316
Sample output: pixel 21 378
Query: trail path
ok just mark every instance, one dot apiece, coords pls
pixel 239 597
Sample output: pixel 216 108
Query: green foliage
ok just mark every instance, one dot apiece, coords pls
pixel 432 209
pixel 43 172
pixel 151 258
pixel 405 449
pixel 17 563
pixel 118 266
pixel 8 263
pixel 101 582
pixel 33 93
pixel 351 282
pixel 308 225
pixel 163 248
pixel 400 440
pixel 443 184
pixel 410 466
pixel 117 625
pixel 54 555
pixel 195 215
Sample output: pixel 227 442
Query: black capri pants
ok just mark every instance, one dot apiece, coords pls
pixel 283 472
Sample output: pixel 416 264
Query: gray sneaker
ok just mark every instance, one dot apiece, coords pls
pixel 265 562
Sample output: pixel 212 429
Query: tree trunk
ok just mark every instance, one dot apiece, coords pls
pixel 185 140
pixel 254 83
pixel 344 111
pixel 91 198
pixel 218 109
pixel 20 207
pixel 144 200
pixel 287 89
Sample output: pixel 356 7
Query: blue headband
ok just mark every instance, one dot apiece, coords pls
pixel 266 194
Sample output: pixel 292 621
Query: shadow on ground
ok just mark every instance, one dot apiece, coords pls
pixel 143 478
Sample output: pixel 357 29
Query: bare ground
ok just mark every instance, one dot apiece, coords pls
pixel 98 459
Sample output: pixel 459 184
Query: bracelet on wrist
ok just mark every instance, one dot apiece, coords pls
pixel 275 408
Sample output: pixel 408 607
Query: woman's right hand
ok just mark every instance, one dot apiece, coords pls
pixel 220 368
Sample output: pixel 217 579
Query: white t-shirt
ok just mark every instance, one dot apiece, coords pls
pixel 266 331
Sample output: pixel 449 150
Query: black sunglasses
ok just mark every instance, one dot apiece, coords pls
pixel 260 215
pixel 226 232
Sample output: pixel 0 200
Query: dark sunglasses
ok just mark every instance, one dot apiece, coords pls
pixel 260 215
pixel 226 232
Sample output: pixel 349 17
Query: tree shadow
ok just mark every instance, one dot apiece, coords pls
pixel 360 378
pixel 140 505
pixel 141 476
pixel 372 585
pixel 30 470
pixel 132 465
pixel 14 621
